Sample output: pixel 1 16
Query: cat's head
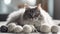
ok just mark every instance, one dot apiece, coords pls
pixel 31 13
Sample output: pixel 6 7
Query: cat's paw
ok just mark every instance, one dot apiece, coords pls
pixel 38 28
pixel 33 29
pixel 45 28
pixel 54 29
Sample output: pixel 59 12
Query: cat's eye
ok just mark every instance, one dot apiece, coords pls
pixel 30 16
pixel 37 15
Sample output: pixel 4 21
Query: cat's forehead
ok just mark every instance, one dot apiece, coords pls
pixel 32 8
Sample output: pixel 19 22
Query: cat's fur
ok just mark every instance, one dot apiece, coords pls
pixel 23 16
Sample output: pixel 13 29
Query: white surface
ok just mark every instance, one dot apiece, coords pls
pixel 2 23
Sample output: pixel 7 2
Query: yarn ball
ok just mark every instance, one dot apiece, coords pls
pixel 45 28
pixel 54 29
pixel 4 28
pixel 11 26
pixel 18 29
pixel 27 29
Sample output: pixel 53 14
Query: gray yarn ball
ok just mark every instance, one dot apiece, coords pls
pixel 54 29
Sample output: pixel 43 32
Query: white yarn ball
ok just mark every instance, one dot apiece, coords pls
pixel 11 26
pixel 27 28
pixel 45 28
pixel 54 29
pixel 18 29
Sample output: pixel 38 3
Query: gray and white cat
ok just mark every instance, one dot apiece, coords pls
pixel 31 15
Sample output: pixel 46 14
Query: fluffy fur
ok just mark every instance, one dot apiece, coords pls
pixel 47 18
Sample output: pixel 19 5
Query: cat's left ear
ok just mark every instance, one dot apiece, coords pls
pixel 26 6
pixel 38 6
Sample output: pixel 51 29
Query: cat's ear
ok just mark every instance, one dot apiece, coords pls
pixel 26 6
pixel 38 6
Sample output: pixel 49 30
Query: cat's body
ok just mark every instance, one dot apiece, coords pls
pixel 42 19
pixel 18 18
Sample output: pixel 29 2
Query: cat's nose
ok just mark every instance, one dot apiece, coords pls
pixel 32 17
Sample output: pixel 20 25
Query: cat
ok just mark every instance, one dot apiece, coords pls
pixel 31 15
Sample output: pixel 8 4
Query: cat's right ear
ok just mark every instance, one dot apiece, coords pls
pixel 38 6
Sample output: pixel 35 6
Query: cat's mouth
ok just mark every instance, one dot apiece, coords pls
pixel 33 19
